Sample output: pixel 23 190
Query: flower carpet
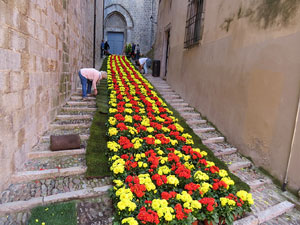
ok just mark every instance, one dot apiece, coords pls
pixel 159 176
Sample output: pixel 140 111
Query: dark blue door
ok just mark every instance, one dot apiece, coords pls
pixel 115 41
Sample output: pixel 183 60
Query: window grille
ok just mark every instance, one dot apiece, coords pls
pixel 193 23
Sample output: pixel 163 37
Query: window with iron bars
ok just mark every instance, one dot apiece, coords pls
pixel 194 23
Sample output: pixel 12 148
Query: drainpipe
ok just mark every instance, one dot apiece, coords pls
pixel 291 148
pixel 94 44
pixel 103 19
pixel 151 25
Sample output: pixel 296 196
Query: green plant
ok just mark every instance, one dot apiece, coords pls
pixel 58 214
pixel 96 159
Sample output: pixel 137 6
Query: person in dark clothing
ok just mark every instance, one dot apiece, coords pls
pixel 106 48
pixel 138 52
pixel 133 51
pixel 102 48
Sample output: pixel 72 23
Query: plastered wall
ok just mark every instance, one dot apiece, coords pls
pixel 42 46
pixel 244 76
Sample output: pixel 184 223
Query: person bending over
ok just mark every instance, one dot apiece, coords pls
pixel 89 78
pixel 144 63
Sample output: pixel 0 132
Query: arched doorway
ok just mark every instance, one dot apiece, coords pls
pixel 115 30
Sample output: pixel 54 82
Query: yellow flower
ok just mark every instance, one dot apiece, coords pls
pixel 150 129
pixel 228 181
pixel 163 170
pixel 205 187
pixel 113 110
pixel 118 183
pixel 223 173
pixel 128 119
pixel 112 131
pixel 172 179
pixel 224 201
pixel 210 164
pixel 168 216
pixel 137 145
pixel 113 146
pixel 201 176
pixel 130 221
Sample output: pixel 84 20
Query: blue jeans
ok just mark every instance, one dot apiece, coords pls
pixel 146 65
pixel 145 68
pixel 86 85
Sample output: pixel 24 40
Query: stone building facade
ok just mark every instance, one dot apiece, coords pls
pixel 243 74
pixel 42 46
pixel 128 21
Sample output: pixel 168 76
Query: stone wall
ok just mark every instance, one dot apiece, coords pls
pixel 42 46
pixel 244 75
pixel 136 13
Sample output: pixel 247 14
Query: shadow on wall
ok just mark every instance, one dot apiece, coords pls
pixel 266 14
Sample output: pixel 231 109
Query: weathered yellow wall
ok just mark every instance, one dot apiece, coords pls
pixel 42 46
pixel 244 76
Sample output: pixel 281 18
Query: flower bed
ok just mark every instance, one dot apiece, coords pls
pixel 160 178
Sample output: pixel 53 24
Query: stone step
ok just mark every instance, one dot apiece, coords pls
pixel 82 103
pixel 79 109
pixel 74 117
pixel 45 154
pixel 164 91
pixel 266 215
pixel 239 165
pixel 203 130
pixel 213 140
pixel 55 162
pixel 76 97
pixel 24 191
pixel 83 137
pixel 44 174
pixel 175 100
pixel 184 109
pixel 170 97
pixel 258 183
pixel 179 104
pixel 190 115
pixel 69 126
pixel 226 151
pixel 18 206
pixel 194 122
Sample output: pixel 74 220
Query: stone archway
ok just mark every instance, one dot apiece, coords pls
pixel 115 32
pixel 117 20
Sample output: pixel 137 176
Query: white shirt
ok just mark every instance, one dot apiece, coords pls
pixel 142 60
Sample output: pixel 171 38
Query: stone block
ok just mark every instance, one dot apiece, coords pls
pixel 17 42
pixel 7 100
pixel 51 40
pixel 5 37
pixel 10 60
pixel 4 82
pixel 16 81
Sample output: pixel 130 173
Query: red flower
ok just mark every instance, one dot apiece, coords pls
pixel 119 117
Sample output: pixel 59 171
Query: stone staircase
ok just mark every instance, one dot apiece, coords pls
pixel 271 206
pixel 55 176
